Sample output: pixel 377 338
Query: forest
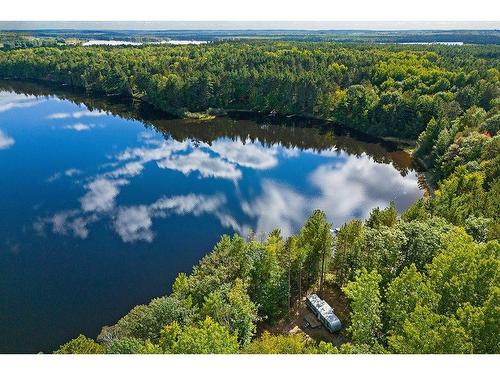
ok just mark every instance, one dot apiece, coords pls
pixel 425 281
pixel 383 90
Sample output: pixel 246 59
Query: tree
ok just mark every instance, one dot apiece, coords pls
pixel 280 344
pixel 491 125
pixel 268 286
pixel 386 217
pixel 144 322
pixel 130 345
pixel 482 324
pixel 460 196
pixel 233 309
pixel 80 345
pixel 343 262
pixel 365 307
pixel 425 332
pixel 423 241
pixel 316 236
pixel 229 260
pixel 427 139
pixel 207 337
pixel 355 106
pixel 403 295
pixel 298 257
pixel 464 271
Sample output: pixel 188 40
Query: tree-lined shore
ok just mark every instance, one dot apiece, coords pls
pixel 425 281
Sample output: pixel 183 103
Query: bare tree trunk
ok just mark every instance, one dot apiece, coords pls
pixel 300 283
pixel 289 290
pixel 321 278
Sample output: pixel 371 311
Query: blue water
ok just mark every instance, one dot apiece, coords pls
pixel 100 210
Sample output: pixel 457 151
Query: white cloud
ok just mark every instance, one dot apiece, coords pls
pixel 68 173
pixel 72 172
pixel 187 204
pixel 66 223
pixel 128 170
pixel 101 194
pixel 279 206
pixel 134 224
pixel 345 190
pixel 77 114
pixel 56 176
pixel 248 155
pixel 145 154
pixel 10 101
pixel 79 127
pixel 354 188
pixel 5 141
pixel 203 163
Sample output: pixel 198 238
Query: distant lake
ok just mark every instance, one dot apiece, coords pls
pixel 103 202
pixel 129 43
pixel 442 43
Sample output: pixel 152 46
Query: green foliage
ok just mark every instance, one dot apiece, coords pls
pixel 427 139
pixel 234 310
pixel 380 89
pixel 343 262
pixel 386 217
pixel 354 105
pixel 460 196
pixel 425 332
pixel 316 237
pixel 478 227
pixel 80 345
pixel 289 344
pixel 482 324
pixel 491 125
pixel 403 294
pixel 208 337
pixel 365 307
pixel 432 279
pixel 386 249
pixel 230 260
pixel 130 345
pixel 423 241
pixel 464 271
pixel 269 344
pixel 269 288
pixel 144 322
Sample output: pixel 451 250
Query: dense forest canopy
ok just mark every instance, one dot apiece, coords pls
pixel 383 90
pixel 424 282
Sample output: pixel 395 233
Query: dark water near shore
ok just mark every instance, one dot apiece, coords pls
pixel 103 202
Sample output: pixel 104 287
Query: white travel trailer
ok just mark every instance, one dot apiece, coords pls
pixel 324 313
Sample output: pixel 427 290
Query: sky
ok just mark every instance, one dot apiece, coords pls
pixel 326 14
pixel 254 25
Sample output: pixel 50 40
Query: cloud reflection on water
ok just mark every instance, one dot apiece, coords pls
pixel 345 187
pixel 5 141
pixel 10 101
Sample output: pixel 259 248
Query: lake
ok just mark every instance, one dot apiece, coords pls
pixel 95 42
pixel 103 201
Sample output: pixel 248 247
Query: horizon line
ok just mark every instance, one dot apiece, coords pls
pixel 252 25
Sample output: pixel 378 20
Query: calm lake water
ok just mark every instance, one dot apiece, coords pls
pixel 103 202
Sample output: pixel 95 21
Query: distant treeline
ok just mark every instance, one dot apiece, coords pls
pixel 381 90
pixel 345 36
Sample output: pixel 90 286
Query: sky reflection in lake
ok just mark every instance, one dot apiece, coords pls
pixel 102 208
